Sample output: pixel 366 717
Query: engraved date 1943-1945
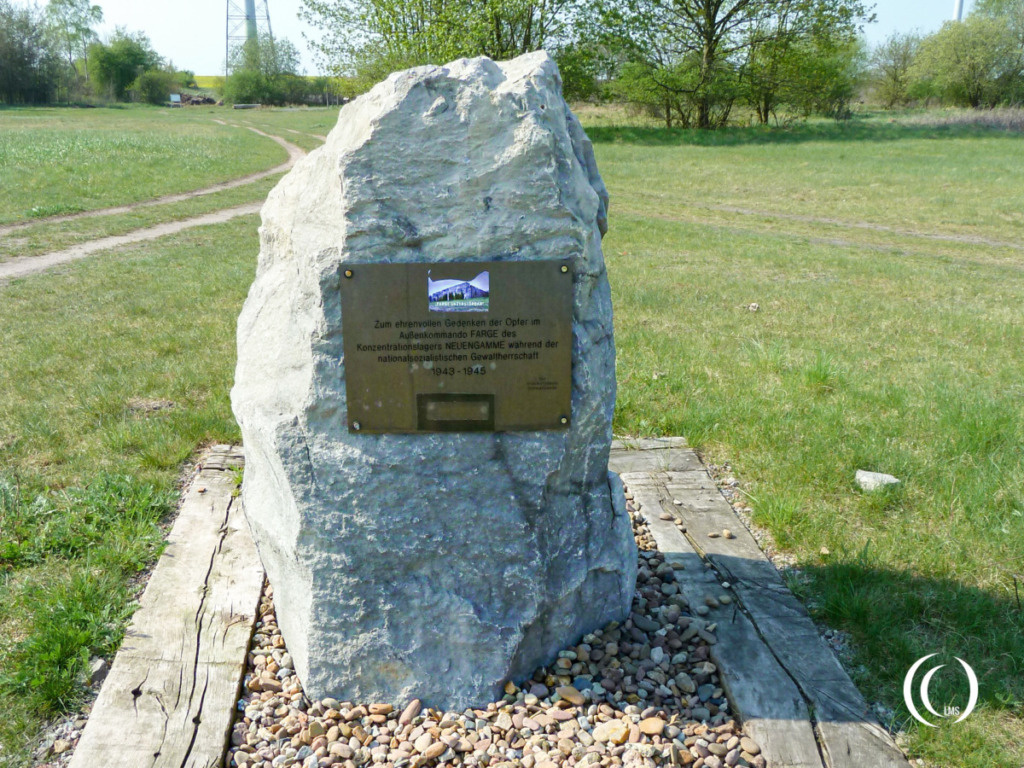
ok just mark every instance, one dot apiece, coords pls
pixel 469 370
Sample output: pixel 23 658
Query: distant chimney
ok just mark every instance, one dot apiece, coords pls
pixel 958 10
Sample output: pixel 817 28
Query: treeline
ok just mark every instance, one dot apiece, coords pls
pixel 978 62
pixel 692 62
pixel 265 71
pixel 55 56
pixel 29 66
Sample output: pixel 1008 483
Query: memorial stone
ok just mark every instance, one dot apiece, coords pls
pixel 434 535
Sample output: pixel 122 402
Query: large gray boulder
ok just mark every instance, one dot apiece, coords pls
pixel 435 566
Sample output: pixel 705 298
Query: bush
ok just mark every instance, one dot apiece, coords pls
pixel 248 86
pixel 115 66
pixel 890 68
pixel 185 78
pixel 154 86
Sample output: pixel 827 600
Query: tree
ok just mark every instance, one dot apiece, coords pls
pixel 372 38
pixel 682 50
pixel 72 22
pixel 706 52
pixel 580 69
pixel 30 66
pixel 976 62
pixel 1010 13
pixel 828 74
pixel 263 71
pixel 804 55
pixel 665 90
pixel 891 62
pixel 120 62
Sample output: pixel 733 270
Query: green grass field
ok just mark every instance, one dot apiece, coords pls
pixel 58 161
pixel 115 370
pixel 875 346
pixel 888 265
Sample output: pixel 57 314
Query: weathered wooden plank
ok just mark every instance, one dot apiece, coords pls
pixel 770 706
pixel 143 717
pixel 848 733
pixel 851 742
pixel 640 479
pixel 648 443
pixel 707 500
pixel 692 479
pixel 660 460
pixel 223 457
pixel 169 697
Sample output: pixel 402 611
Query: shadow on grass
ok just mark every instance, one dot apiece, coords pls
pixel 896 617
pixel 853 130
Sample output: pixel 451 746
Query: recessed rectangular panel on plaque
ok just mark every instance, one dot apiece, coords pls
pixel 457 346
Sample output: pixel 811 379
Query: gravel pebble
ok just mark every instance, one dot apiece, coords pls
pixel 637 694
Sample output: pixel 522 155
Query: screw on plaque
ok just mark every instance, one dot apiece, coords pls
pixel 565 268
pixel 356 426
pixel 348 273
pixel 564 420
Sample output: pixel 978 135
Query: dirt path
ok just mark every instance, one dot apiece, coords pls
pixel 26 265
pixel 319 136
pixel 294 154
pixel 301 133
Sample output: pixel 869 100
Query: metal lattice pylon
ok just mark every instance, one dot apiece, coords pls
pixel 246 20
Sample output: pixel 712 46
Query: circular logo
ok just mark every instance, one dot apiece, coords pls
pixel 948 711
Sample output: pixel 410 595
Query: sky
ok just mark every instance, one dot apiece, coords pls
pixel 191 32
pixel 909 16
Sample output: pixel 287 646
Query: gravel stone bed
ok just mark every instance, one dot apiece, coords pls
pixel 640 693
pixel 60 739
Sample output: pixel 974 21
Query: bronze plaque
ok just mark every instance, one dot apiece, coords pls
pixel 457 346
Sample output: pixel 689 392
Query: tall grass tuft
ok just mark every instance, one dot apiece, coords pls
pixel 823 374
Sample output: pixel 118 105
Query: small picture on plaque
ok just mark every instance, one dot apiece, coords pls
pixel 459 295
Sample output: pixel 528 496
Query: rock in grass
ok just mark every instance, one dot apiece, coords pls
pixel 98 669
pixel 375 543
pixel 872 481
